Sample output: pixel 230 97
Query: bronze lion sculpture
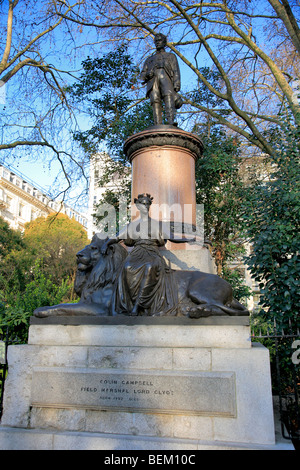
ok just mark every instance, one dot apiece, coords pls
pixel 199 294
pixel 94 281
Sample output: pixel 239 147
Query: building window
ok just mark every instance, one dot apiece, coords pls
pixel 9 201
pixel 21 210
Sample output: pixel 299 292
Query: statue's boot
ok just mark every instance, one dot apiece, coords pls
pixel 157 113
pixel 170 110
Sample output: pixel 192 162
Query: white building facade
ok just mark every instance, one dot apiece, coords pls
pixel 22 201
pixel 101 165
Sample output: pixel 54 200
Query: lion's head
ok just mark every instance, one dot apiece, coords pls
pixel 95 270
pixel 89 256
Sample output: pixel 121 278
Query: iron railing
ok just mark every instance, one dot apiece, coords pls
pixel 4 341
pixel 284 346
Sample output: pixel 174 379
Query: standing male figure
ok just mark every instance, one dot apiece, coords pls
pixel 162 75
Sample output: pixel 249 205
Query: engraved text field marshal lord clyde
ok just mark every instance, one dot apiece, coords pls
pixel 207 393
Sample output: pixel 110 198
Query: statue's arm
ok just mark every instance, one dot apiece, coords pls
pixel 176 74
pixel 146 74
pixel 167 234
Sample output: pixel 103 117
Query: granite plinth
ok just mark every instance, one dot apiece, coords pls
pixel 220 383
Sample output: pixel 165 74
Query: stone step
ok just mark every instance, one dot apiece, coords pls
pixel 40 439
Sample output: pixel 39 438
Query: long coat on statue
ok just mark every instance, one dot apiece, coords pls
pixel 167 62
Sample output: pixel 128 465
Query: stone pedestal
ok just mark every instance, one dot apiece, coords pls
pixel 143 383
pixel 163 165
pixel 192 259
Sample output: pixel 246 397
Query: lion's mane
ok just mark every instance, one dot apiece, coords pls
pixel 102 274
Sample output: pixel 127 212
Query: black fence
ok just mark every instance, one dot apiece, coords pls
pixel 284 347
pixel 4 341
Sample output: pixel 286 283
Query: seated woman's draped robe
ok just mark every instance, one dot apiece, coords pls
pixel 145 277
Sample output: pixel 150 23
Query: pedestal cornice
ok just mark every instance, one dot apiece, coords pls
pixel 162 136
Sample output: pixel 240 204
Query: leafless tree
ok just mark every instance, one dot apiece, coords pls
pixel 35 114
pixel 254 47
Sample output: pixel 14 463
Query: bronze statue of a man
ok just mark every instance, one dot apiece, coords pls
pixel 162 75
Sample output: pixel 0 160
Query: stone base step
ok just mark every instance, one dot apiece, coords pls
pixel 41 439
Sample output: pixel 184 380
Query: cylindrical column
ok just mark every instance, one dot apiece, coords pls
pixel 163 165
pixel 168 174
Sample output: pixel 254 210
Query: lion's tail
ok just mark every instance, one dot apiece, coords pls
pixel 234 308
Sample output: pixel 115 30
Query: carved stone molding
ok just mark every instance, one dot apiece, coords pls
pixel 163 136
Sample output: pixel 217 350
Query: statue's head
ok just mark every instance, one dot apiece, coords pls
pixel 160 40
pixel 145 199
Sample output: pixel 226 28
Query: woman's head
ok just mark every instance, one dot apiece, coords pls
pixel 145 199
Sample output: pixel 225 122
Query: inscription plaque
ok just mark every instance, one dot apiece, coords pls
pixel 184 392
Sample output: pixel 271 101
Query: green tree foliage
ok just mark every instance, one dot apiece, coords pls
pixel 40 290
pixel 9 239
pixel 12 273
pixel 107 89
pixel 219 186
pixel 272 211
pixel 38 269
pixel 106 92
pixel 55 240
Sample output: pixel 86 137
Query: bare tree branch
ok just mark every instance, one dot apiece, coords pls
pixel 6 52
pixel 285 13
pixel 255 76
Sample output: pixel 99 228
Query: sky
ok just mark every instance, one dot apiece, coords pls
pixel 39 170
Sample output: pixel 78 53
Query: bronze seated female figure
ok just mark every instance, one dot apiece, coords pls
pixel 144 283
